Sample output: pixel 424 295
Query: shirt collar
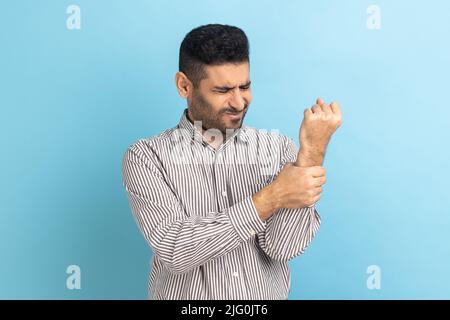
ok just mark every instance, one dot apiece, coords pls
pixel 194 132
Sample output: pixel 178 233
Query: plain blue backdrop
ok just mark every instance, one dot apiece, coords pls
pixel 71 101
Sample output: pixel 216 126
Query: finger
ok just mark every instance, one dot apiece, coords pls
pixel 326 108
pixel 307 112
pixel 317 198
pixel 316 109
pixel 335 108
pixel 320 181
pixel 316 171
pixel 320 101
pixel 317 191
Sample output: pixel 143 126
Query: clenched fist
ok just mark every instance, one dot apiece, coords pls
pixel 318 125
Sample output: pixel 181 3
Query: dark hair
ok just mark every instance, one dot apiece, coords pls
pixel 212 44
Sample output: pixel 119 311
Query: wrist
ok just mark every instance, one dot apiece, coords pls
pixel 310 156
pixel 267 201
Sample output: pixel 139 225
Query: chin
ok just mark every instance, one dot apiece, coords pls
pixel 234 125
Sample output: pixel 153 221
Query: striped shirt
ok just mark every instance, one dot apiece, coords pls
pixel 193 205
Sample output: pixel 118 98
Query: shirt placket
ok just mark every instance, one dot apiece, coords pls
pixel 220 179
pixel 221 175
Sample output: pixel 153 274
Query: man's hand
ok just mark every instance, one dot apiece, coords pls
pixel 318 125
pixel 294 187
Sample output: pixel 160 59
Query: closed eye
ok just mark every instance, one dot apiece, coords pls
pixel 222 90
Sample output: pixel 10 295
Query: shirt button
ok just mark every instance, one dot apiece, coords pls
pixel 224 193
pixel 235 274
pixel 252 232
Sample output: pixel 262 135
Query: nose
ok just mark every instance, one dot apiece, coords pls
pixel 237 101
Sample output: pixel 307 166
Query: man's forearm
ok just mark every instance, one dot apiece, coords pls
pixel 266 201
pixel 308 157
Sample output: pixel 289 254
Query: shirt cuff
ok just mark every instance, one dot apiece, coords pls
pixel 245 219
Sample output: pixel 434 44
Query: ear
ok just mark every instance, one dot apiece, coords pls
pixel 183 84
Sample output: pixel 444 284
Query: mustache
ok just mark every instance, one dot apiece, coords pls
pixel 234 111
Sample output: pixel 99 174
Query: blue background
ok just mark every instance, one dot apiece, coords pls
pixel 72 101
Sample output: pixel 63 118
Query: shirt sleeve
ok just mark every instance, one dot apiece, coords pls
pixel 289 231
pixel 182 240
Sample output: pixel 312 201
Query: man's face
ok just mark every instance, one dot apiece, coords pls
pixel 221 100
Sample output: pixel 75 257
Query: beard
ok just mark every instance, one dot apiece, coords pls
pixel 202 111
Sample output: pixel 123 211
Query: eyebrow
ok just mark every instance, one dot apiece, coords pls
pixel 225 88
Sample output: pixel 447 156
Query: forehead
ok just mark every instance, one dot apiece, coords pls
pixel 229 74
